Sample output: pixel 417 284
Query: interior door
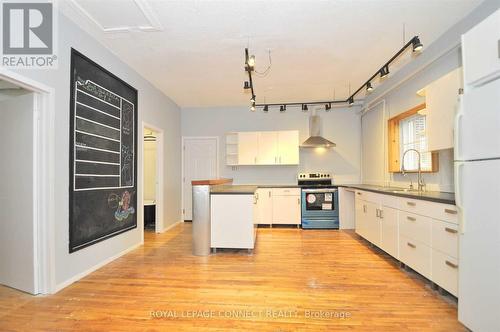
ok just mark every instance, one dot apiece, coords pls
pixel 288 142
pixel 17 231
pixel 200 163
pixel 268 148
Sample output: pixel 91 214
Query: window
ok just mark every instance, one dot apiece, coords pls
pixel 412 132
pixel 407 131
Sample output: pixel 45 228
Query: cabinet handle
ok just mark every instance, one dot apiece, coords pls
pixel 359 193
pixel 411 203
pixel 269 192
pixel 450 230
pixel 298 201
pixel 450 264
pixel 364 208
pixel 450 211
pixel 411 219
pixel 381 214
pixel 378 213
pixel 411 245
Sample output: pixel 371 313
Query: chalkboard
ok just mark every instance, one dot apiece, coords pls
pixel 103 159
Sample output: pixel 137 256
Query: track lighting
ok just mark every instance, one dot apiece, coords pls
pixel 251 61
pixel 417 45
pixel 384 71
pixel 414 43
pixel 252 108
pixel 266 109
pixel 253 99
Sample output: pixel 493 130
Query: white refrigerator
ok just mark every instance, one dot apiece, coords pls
pixel 477 178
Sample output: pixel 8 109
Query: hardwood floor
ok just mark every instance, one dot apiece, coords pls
pixel 295 281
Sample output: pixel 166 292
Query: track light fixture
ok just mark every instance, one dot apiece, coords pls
pixel 416 44
pixel 384 71
pixel 252 108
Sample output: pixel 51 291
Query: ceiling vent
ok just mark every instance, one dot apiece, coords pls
pixel 117 16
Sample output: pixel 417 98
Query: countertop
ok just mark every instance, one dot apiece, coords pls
pixel 433 196
pixel 233 189
pixel 211 182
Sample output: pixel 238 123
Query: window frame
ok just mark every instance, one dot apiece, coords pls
pixel 394 142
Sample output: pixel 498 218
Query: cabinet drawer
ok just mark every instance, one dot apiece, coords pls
pixel 445 271
pixel 445 212
pixel 445 238
pixel 416 255
pixel 369 196
pixel 416 227
pixel 286 191
pixel 390 201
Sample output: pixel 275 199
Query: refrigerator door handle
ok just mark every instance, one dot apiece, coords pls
pixel 458 195
pixel 457 131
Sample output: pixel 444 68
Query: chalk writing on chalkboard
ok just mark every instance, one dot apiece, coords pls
pixel 103 138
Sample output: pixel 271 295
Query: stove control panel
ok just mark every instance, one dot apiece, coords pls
pixel 314 176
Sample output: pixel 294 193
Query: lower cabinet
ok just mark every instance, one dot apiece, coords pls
pixel 278 206
pixel 421 234
pixel 232 220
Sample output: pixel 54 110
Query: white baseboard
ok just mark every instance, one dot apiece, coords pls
pixel 169 227
pixel 79 276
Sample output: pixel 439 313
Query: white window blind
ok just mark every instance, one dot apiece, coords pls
pixel 413 136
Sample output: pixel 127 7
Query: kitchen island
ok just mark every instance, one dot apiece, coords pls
pixel 233 217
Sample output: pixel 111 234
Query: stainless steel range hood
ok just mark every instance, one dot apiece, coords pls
pixel 315 139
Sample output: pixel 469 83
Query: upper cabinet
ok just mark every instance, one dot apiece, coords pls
pixel 262 148
pixel 442 101
pixel 481 51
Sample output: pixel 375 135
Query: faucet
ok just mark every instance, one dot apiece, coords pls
pixel 421 183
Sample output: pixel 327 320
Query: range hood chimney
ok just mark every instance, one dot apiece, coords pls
pixel 315 139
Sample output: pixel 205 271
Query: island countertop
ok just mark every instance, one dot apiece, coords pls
pixel 233 190
pixel 211 182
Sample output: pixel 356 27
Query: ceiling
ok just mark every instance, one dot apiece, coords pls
pixel 193 51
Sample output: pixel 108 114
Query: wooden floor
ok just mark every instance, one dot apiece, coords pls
pixel 296 280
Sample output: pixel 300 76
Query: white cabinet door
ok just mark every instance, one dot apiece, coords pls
pixel 441 98
pixel 264 206
pixel 248 148
pixel 286 210
pixel 288 146
pixel 389 241
pixel 480 51
pixel 268 148
pixel 361 217
pixel 372 223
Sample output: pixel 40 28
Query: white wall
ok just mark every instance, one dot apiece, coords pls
pixel 399 94
pixel 341 126
pixel 154 107
pixel 150 170
pixel 17 259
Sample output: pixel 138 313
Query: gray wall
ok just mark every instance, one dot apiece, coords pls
pixel 399 90
pixel 341 126
pixel 154 107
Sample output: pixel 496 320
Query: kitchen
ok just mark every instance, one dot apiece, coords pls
pixel 250 173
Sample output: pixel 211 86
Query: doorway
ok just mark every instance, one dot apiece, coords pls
pixel 152 193
pixel 200 161
pixel 18 128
